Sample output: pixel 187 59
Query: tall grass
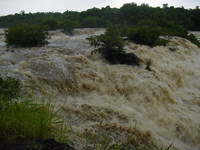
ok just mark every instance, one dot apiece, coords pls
pixel 27 121
pixel 9 90
pixel 24 120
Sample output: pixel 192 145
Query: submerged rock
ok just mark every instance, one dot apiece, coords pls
pixel 123 58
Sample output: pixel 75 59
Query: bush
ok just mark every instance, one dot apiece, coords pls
pixel 146 35
pixel 149 35
pixel 193 39
pixel 177 30
pixel 111 46
pixel 68 26
pixel 25 35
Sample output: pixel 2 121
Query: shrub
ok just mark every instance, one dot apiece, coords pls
pixel 177 30
pixel 149 35
pixel 146 35
pixel 25 35
pixel 193 39
pixel 108 42
pixel 68 26
pixel 111 46
pixel 182 32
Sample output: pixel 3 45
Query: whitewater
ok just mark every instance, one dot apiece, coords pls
pixel 164 102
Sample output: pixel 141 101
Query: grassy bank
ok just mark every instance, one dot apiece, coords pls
pixel 24 120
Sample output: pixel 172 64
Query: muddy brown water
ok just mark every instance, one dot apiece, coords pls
pixel 164 101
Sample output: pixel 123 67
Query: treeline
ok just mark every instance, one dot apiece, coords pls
pixel 128 15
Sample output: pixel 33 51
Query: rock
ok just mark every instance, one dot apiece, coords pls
pixel 123 58
pixel 49 144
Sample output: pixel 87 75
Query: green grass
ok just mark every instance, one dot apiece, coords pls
pixel 193 39
pixel 27 121
pixel 9 90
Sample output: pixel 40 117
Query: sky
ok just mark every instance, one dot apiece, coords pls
pixel 16 6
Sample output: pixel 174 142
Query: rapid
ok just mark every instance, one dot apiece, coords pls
pixel 164 102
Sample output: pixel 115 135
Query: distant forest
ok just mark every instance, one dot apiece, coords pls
pixel 129 14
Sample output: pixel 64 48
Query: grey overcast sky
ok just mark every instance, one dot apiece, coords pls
pixel 15 6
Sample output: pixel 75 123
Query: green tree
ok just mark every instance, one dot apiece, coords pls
pixel 111 46
pixel 110 42
pixel 50 24
pixel 146 35
pixel 25 35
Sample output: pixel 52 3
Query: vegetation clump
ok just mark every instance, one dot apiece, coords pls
pixel 193 39
pixel 9 88
pixel 141 23
pixel 146 35
pixel 23 121
pixel 150 34
pixel 50 24
pixel 129 14
pixel 111 46
pixel 25 35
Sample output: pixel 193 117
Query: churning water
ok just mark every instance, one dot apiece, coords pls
pixel 165 101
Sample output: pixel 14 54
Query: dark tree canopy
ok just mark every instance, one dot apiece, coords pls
pixel 130 14
pixel 25 35
pixel 131 19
